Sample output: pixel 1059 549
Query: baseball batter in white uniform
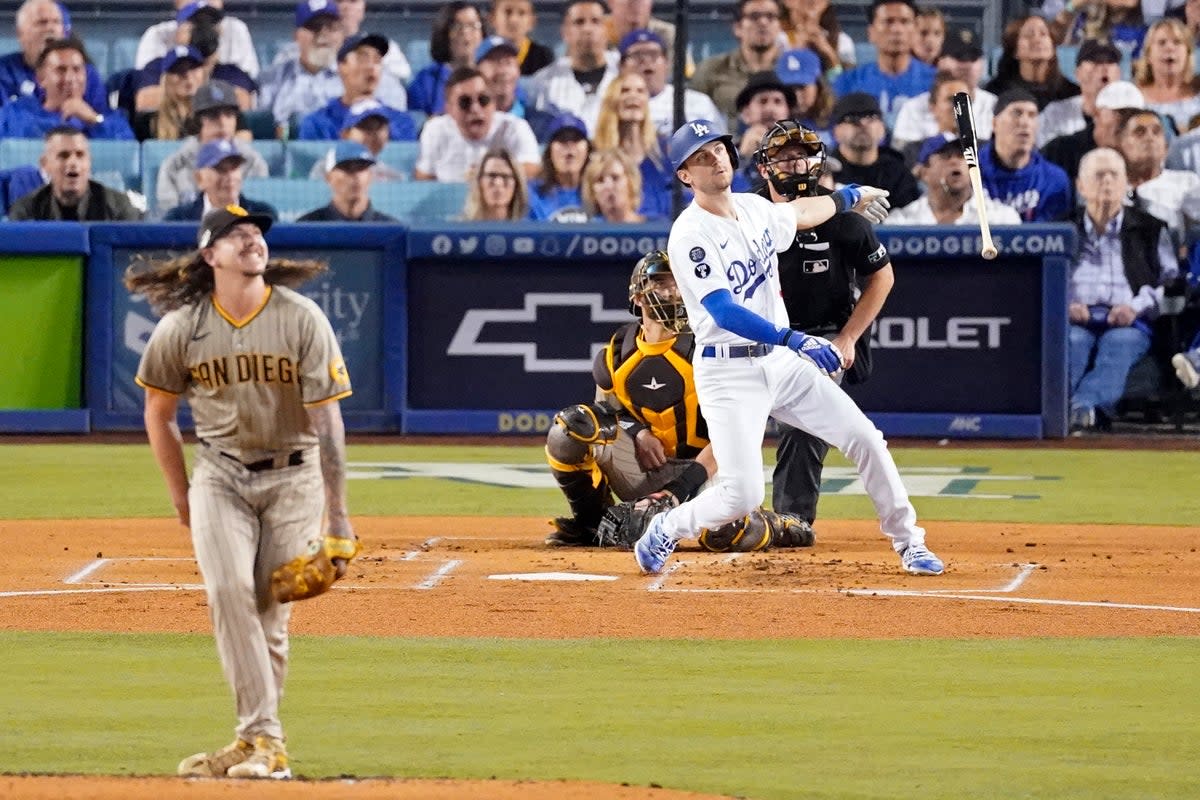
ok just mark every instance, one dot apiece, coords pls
pixel 723 251
pixel 261 369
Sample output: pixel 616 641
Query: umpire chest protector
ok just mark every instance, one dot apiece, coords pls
pixel 654 382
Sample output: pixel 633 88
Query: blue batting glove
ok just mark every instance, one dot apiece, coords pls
pixel 819 350
pixel 851 193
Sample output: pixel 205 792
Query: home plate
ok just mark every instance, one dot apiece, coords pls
pixel 551 576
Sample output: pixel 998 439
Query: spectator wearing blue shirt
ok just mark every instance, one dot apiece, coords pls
pixel 612 188
pixel 896 75
pixel 360 67
pixel 17 182
pixel 39 22
pixel 1125 256
pixel 204 39
pixel 220 169
pixel 62 77
pixel 555 196
pixel 624 123
pixel 457 34
pixel 1013 171
pixel 496 60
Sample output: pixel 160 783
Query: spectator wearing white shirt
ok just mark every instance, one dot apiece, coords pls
pixel 576 82
pixel 941 108
pixel 453 143
pixel 1142 141
pixel 310 80
pixel 962 57
pixel 1097 65
pixel 948 199
pixel 351 13
pixel 236 45
pixel 644 52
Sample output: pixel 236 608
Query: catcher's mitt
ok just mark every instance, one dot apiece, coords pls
pixel 751 532
pixel 313 571
pixel 788 530
pixel 624 523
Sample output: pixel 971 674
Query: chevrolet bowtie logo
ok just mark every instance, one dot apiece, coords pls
pixel 466 340
pixel 653 385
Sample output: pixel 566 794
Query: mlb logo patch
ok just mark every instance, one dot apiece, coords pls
pixel 813 267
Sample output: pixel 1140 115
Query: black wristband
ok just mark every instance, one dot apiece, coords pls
pixel 688 484
pixel 786 336
pixel 839 202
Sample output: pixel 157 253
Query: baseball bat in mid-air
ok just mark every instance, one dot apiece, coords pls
pixel 970 149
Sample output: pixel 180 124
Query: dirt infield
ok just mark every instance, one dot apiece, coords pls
pixel 474 576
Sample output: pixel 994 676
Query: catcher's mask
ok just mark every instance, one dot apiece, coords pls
pixel 793 173
pixel 667 310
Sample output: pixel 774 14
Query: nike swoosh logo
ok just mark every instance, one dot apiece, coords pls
pixel 199 337
pixel 724 243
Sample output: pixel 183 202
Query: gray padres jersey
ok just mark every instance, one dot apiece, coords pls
pixel 248 381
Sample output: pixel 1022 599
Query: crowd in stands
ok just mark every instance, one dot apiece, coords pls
pixel 1086 101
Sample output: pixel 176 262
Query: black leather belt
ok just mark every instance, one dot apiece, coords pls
pixel 294 459
pixel 736 350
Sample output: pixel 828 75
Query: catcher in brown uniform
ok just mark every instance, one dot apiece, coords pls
pixel 644 438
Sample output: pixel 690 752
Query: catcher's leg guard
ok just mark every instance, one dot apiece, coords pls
pixel 577 474
pixel 751 532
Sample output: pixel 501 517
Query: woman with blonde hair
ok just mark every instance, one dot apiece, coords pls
pixel 182 75
pixel 612 187
pixel 1166 73
pixel 498 189
pixel 625 123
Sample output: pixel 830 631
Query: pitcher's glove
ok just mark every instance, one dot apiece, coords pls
pixel 312 572
pixel 624 523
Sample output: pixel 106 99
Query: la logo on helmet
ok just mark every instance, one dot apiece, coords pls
pixel 698 129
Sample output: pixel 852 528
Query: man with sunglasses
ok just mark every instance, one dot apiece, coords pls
pixel 452 143
pixel 360 66
pixel 859 131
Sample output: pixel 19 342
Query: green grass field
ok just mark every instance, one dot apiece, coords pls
pixel 920 718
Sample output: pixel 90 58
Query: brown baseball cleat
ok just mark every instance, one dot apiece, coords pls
pixel 215 765
pixel 569 532
pixel 269 760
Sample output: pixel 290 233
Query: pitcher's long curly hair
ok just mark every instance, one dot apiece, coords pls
pixel 176 282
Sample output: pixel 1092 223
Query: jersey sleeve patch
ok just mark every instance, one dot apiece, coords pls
pixel 878 254
pixel 696 254
pixel 338 372
pixel 703 271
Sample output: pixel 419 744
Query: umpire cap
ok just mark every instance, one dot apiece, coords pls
pixel 693 135
pixel 220 221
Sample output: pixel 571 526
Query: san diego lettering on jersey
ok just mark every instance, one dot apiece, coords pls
pixel 245 368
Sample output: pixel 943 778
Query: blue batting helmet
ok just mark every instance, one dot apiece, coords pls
pixel 693 135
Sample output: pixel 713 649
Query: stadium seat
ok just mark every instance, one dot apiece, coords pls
pixel 401 156
pixel 291 197
pixel 19 152
pixel 274 153
pixel 419 201
pixel 260 123
pixel 9 44
pixel 417 53
pixel 1067 54
pixel 122 54
pixel 154 153
pixel 117 157
pixel 301 155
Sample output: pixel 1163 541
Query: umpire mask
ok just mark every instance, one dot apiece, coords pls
pixel 659 298
pixel 794 158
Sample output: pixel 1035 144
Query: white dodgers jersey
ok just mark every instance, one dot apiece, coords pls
pixel 709 253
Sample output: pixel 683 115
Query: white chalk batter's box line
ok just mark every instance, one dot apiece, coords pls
pixel 657 583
